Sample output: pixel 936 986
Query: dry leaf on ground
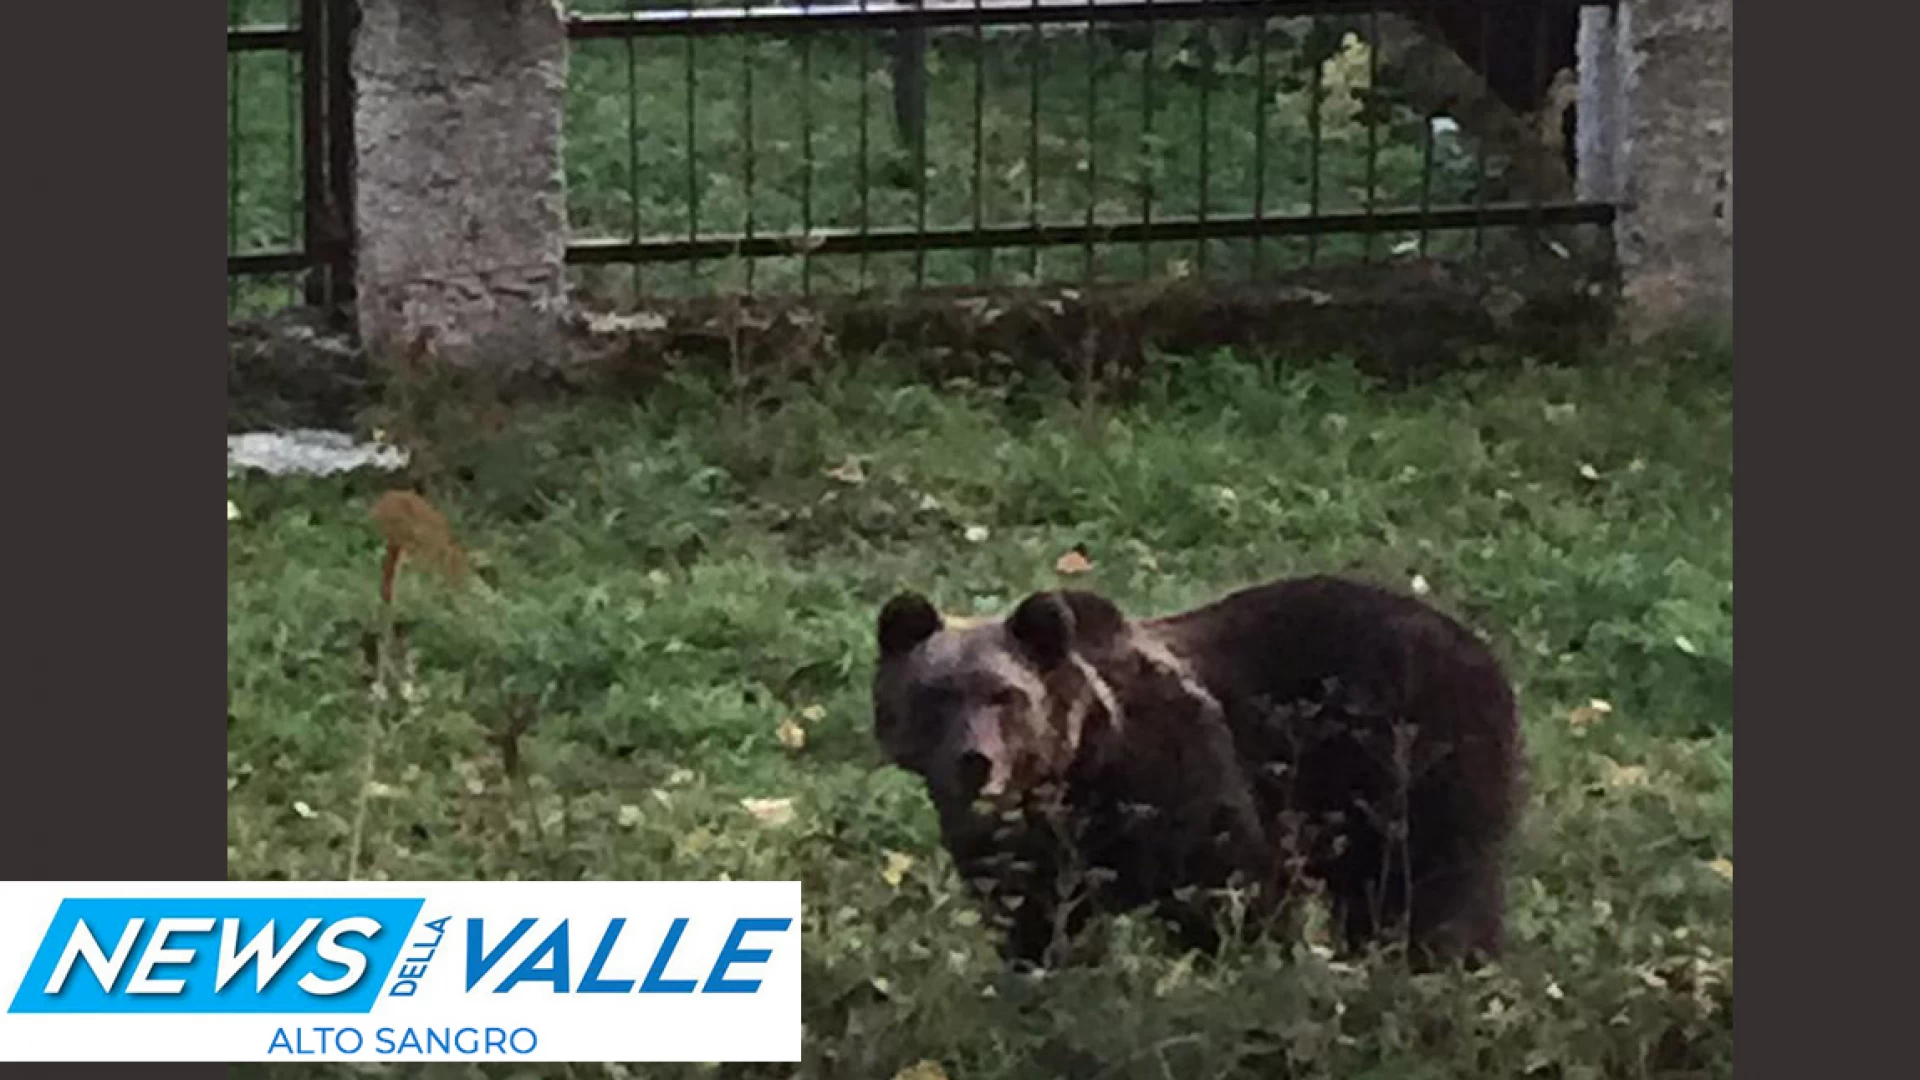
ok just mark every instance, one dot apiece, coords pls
pixel 898 863
pixel 848 472
pixel 1586 716
pixel 772 813
pixel 1626 776
pixel 1073 562
pixel 791 735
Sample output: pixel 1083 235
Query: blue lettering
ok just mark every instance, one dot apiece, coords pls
pixel 297 1044
pixel 413 968
pixel 185 955
pixel 591 982
pixel 732 953
pixel 657 985
pixel 554 950
pixel 447 1041
pixel 478 962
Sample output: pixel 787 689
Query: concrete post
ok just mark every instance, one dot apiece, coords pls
pixel 1656 136
pixel 460 196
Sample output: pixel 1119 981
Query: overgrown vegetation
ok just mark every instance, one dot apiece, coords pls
pixel 653 659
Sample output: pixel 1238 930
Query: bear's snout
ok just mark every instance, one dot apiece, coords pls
pixel 973 772
pixel 975 763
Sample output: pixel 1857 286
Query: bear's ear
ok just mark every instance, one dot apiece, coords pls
pixel 1096 619
pixel 1043 626
pixel 906 621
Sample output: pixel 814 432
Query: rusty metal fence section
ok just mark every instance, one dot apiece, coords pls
pixel 289 152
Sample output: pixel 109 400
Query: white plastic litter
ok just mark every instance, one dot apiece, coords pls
pixel 309 453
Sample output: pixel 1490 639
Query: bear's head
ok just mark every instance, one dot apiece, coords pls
pixel 993 709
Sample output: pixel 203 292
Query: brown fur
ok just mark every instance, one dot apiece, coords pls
pixel 1314 730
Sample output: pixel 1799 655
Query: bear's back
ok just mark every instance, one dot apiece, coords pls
pixel 1338 642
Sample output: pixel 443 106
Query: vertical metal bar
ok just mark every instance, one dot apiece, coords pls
pixel 1536 146
pixel 313 145
pixel 633 157
pixel 1426 183
pixel 340 17
pixel 1260 143
pixel 1147 155
pixel 920 165
pixel 1313 135
pixel 1093 137
pixel 982 254
pixel 746 121
pixel 233 170
pixel 1206 162
pixel 866 187
pixel 1371 108
pixel 1033 146
pixel 1480 151
pixel 294 98
pixel 806 154
pixel 693 170
pixel 1426 133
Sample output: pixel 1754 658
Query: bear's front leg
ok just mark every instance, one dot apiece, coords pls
pixel 1021 903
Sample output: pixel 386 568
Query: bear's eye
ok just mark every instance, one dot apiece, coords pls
pixel 1004 698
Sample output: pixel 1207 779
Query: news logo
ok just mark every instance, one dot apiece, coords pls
pixel 384 971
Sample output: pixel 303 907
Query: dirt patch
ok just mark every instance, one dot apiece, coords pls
pixel 297 369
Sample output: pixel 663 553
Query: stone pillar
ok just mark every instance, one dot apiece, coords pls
pixel 1656 137
pixel 460 195
pixel 1597 131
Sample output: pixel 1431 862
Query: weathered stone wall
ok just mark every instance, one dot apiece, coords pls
pixel 460 194
pixel 1656 134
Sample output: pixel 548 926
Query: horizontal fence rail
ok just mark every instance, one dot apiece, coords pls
pixel 842 242
pixel 891 15
pixel 263 39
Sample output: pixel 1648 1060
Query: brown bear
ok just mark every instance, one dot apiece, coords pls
pixel 1311 731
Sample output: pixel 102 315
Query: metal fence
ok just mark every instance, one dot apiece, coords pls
pixel 289 152
pixel 864 145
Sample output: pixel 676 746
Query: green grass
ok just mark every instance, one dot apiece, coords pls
pixel 787 134
pixel 672 580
